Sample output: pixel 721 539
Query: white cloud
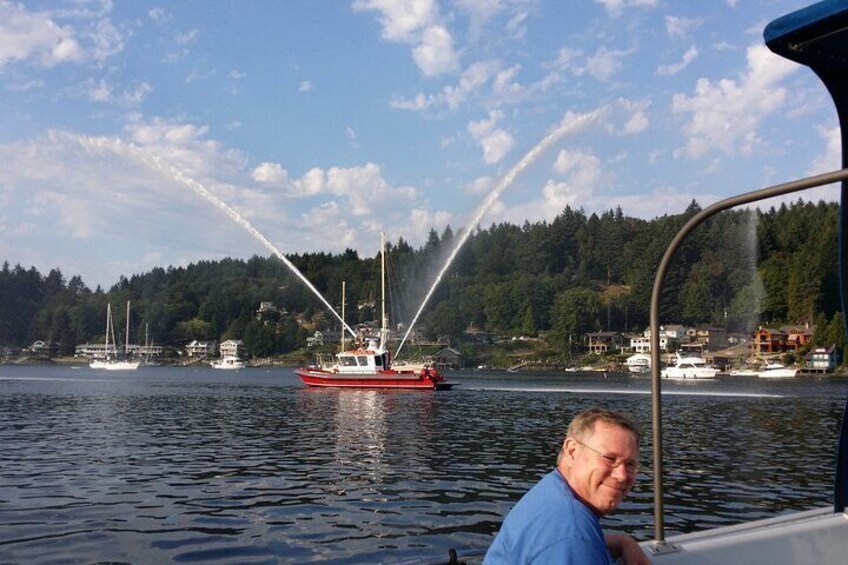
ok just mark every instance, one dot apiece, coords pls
pixel 106 40
pixel 616 7
pixel 435 53
pixel 304 86
pixel 480 11
pixel 402 21
pixel 160 15
pixel 102 91
pixel 472 80
pixel 680 27
pixel 311 183
pixel 831 159
pixel 418 24
pixel 605 63
pixel 186 38
pixel 351 137
pixel 197 76
pixel 724 115
pixel 673 69
pixel 270 173
pixel 481 185
pixel 583 167
pixel 638 122
pixel 496 142
pixel 34 36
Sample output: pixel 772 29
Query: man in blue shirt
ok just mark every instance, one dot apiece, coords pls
pixel 557 522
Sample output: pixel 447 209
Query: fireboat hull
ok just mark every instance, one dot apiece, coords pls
pixel 383 379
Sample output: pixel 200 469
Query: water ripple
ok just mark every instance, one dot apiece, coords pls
pixel 189 466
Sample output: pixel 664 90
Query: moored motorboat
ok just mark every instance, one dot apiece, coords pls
pixel 776 371
pixel 228 362
pixel 689 368
pixel 639 363
pixel 744 373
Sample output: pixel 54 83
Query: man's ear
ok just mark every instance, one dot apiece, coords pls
pixel 569 446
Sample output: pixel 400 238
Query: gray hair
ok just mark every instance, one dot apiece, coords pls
pixel 583 424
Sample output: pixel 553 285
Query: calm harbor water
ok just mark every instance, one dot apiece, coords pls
pixel 203 466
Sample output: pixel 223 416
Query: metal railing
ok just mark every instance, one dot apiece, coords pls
pixel 659 280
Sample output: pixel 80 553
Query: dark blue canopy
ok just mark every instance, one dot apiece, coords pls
pixel 817 36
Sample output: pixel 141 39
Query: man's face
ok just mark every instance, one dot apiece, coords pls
pixel 591 476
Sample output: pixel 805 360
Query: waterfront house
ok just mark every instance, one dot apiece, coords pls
pixel 43 348
pixel 324 337
pixel 769 340
pixel 711 338
pixel 473 334
pixel 797 336
pixel 667 334
pixel 603 342
pixel 448 358
pixel 822 359
pixel 201 349
pixel 231 348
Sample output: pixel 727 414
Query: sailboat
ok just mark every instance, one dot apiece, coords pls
pixel 111 362
pixel 370 365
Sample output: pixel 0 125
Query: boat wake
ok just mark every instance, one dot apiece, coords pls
pixel 624 391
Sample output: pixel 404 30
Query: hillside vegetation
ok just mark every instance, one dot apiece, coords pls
pixel 563 278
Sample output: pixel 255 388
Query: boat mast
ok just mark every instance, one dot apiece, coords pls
pixel 127 339
pixel 343 317
pixel 108 327
pixel 384 330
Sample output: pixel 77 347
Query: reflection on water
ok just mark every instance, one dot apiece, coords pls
pixel 189 465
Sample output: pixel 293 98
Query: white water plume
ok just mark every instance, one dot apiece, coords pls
pixel 128 149
pixel 570 124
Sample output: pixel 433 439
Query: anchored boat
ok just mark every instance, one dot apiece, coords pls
pixel 228 362
pixel 689 368
pixel 777 371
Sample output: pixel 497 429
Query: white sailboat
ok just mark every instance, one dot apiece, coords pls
pixel 111 361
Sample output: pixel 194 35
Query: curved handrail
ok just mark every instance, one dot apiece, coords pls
pixel 659 280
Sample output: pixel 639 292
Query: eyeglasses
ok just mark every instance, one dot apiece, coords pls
pixel 631 466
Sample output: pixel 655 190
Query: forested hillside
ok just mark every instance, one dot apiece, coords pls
pixel 575 274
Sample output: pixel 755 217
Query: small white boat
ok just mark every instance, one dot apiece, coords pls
pixel 744 373
pixel 640 363
pixel 228 362
pixel 777 371
pixel 689 368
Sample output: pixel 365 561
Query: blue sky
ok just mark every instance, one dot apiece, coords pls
pixel 324 123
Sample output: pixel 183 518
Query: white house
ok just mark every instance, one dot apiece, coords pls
pixel 231 348
pixel 201 348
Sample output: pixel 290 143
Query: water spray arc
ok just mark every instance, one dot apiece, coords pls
pixel 571 124
pixel 122 148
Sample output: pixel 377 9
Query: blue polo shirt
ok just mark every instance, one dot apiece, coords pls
pixel 549 526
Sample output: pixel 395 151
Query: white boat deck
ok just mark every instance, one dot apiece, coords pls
pixel 801 538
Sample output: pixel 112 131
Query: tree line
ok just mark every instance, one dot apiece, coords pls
pixel 575 274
